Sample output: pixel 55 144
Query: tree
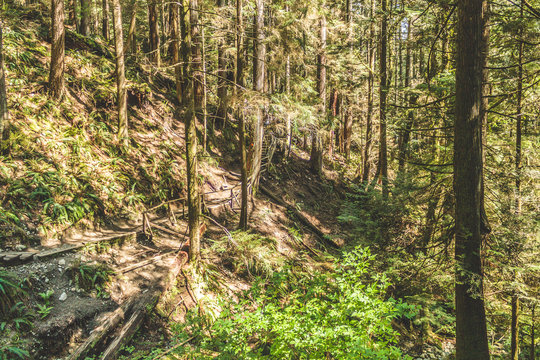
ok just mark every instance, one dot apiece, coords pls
pixel 366 165
pixel 153 35
pixel 383 92
pixel 191 59
pixel 3 97
pixel 131 42
pixel 84 27
pixel 105 20
pixel 471 330
pixel 241 119
pixel 259 51
pixel 121 91
pixel 316 158
pixel 56 73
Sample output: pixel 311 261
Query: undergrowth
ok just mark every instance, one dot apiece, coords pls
pixel 343 314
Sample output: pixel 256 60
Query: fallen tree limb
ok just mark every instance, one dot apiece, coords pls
pixel 144 263
pixel 303 219
pixel 168 231
pixel 144 305
pixel 99 334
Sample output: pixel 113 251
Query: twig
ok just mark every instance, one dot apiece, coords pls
pixel 174 347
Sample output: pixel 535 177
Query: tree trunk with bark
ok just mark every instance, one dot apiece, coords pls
pixel 56 73
pixel 383 92
pixel 190 23
pixel 258 85
pixel 153 33
pixel 84 28
pixel 471 329
pixel 241 118
pixel 131 44
pixel 121 91
pixel 366 164
pixel 316 158
pixel 105 21
pixel 514 328
pixel 3 93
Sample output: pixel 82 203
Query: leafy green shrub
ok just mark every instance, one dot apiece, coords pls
pixel 339 315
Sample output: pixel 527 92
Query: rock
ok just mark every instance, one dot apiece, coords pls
pixel 63 297
pixel 46 280
pixel 62 262
pixel 20 247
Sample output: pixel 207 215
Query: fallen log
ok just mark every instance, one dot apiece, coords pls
pixel 140 309
pixel 99 334
pixel 301 217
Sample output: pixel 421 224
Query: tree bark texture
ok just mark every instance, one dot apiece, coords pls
pixel 153 35
pixel 316 158
pixel 383 92
pixel 3 93
pixel 105 21
pixel 471 330
pixel 85 17
pixel 121 91
pixel 56 73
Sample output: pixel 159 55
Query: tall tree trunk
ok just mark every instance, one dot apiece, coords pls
pixel 514 331
pixel 121 91
pixel 383 92
pixel 56 73
pixel 189 22
pixel 222 84
pixel 471 329
pixel 153 35
pixel 514 328
pixel 519 116
pixel 105 23
pixel 316 158
pixel 3 96
pixel 72 13
pixel 532 349
pixel 131 44
pixel 241 118
pixel 174 48
pixel 85 17
pixel 405 133
pixel 258 85
pixel 288 126
pixel 205 91
pixel 366 165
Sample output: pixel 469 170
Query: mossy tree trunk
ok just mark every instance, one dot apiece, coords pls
pixel 56 71
pixel 190 53
pixel 121 91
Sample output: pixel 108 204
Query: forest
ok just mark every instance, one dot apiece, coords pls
pixel 269 179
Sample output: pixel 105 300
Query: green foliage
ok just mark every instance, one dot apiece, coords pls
pixel 10 291
pixel 341 315
pixel 90 277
